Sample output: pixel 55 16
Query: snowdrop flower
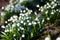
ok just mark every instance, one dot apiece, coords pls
pixel 2 8
pixel 52 2
pixel 45 6
pixel 37 6
pixel 3 26
pixel 15 16
pixel 18 24
pixel 30 11
pixel 49 6
pixel 14 25
pixel 48 18
pixel 22 14
pixel 27 17
pixel 47 38
pixel 21 11
pixel 47 3
pixel 29 23
pixel 21 28
pixel 23 35
pixel 42 20
pixel 57 10
pixel 7 30
pixel 11 18
pixel 52 12
pixel 11 30
pixel 21 1
pixel 35 13
pixel 27 9
pixel 46 12
pixel 58 38
pixel 38 22
pixel 14 35
pixel 24 11
pixel 34 23
pixel 55 4
pixel 39 9
pixel 18 29
pixel 24 23
pixel 36 19
pixel 21 21
pixel 6 22
pixel 20 38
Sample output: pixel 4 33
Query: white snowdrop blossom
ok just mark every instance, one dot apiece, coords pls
pixel 37 6
pixel 21 11
pixel 27 9
pixel 21 28
pixel 11 18
pixel 24 23
pixel 42 9
pixel 42 20
pixel 48 18
pixel 47 38
pixel 34 23
pixel 46 12
pixel 2 8
pixel 6 30
pixel 23 35
pixel 15 16
pixel 18 24
pixel 39 9
pixel 47 3
pixel 38 22
pixel 21 21
pixel 24 11
pixel 10 30
pixel 14 35
pixel 36 19
pixel 57 9
pixel 58 38
pixel 3 26
pixel 18 29
pixel 21 1
pixel 35 13
pixel 29 23
pixel 6 22
pixel 52 2
pixel 14 25
pixel 52 12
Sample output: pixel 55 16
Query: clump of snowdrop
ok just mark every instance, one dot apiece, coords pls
pixel 26 23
